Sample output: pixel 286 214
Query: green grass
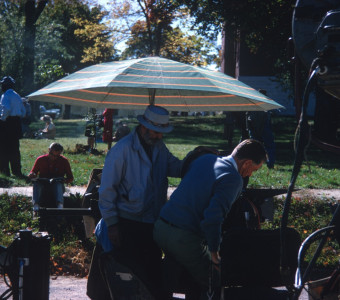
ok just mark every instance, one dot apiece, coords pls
pixel 188 133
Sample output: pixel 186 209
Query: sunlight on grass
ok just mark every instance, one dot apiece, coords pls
pixel 188 133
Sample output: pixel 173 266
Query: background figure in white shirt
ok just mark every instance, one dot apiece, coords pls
pixel 12 110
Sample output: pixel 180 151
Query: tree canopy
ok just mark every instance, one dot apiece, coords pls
pixel 152 27
pixel 69 35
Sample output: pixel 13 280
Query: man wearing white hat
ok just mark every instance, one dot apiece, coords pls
pixel 133 189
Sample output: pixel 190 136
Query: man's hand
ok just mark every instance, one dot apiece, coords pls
pixel 32 175
pixel 114 235
pixel 216 260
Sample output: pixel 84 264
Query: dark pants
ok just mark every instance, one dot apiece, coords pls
pixel 140 253
pixel 97 288
pixel 3 150
pixel 11 132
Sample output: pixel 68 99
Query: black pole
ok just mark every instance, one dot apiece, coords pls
pixel 302 141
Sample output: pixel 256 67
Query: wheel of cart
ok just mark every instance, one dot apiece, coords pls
pixel 327 288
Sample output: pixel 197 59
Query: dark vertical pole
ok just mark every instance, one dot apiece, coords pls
pixel 228 63
pixel 297 86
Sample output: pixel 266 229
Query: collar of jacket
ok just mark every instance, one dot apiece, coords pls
pixel 137 146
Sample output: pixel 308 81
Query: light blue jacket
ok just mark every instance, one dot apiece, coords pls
pixel 12 105
pixel 132 186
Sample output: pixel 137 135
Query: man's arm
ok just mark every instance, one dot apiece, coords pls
pixel 226 191
pixel 35 170
pixel 174 164
pixel 22 110
pixel 111 177
pixel 5 107
pixel 68 172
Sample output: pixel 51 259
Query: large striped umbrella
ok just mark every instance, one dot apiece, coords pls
pixel 135 83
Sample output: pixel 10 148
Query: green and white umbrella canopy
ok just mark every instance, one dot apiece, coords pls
pixel 136 83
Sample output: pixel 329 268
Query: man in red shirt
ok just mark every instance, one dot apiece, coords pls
pixel 53 170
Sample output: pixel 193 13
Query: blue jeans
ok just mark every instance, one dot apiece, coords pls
pixel 43 189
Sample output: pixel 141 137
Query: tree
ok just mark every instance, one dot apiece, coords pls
pixel 187 48
pixel 260 24
pixel 11 33
pixel 152 27
pixel 83 37
pixel 95 37
pixel 149 20
pixel 72 36
pixel 32 13
pixel 69 35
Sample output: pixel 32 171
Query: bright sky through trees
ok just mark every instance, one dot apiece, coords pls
pixel 122 45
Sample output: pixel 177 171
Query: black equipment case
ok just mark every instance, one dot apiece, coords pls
pixel 252 257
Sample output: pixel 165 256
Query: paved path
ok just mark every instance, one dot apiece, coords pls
pixel 28 190
pixel 73 288
pixel 311 193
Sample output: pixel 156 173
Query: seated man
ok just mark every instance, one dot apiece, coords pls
pixel 51 169
pixel 190 223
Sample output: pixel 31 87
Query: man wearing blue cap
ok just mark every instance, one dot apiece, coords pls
pixel 133 189
pixel 11 112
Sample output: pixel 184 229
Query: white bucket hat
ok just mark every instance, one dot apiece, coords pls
pixel 46 118
pixel 156 118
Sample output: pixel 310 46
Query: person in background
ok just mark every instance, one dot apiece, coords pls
pixel 133 189
pixel 260 128
pixel 235 120
pixel 51 166
pixel 49 131
pixel 11 111
pixel 122 130
pixel 26 121
pixel 189 228
pixel 108 127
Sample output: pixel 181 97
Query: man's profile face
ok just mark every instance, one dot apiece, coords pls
pixel 151 137
pixel 248 167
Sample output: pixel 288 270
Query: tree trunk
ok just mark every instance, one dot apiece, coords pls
pixel 67 112
pixel 228 62
pixel 32 14
pixel 29 39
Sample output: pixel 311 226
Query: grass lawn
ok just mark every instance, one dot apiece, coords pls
pixel 320 170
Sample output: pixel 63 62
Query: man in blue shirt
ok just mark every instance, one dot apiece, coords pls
pixel 190 223
pixel 132 191
pixel 11 111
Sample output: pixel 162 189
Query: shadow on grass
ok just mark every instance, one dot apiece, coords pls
pixel 5 182
pixel 208 131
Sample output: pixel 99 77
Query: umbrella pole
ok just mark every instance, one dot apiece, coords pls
pixel 152 94
pixel 302 141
